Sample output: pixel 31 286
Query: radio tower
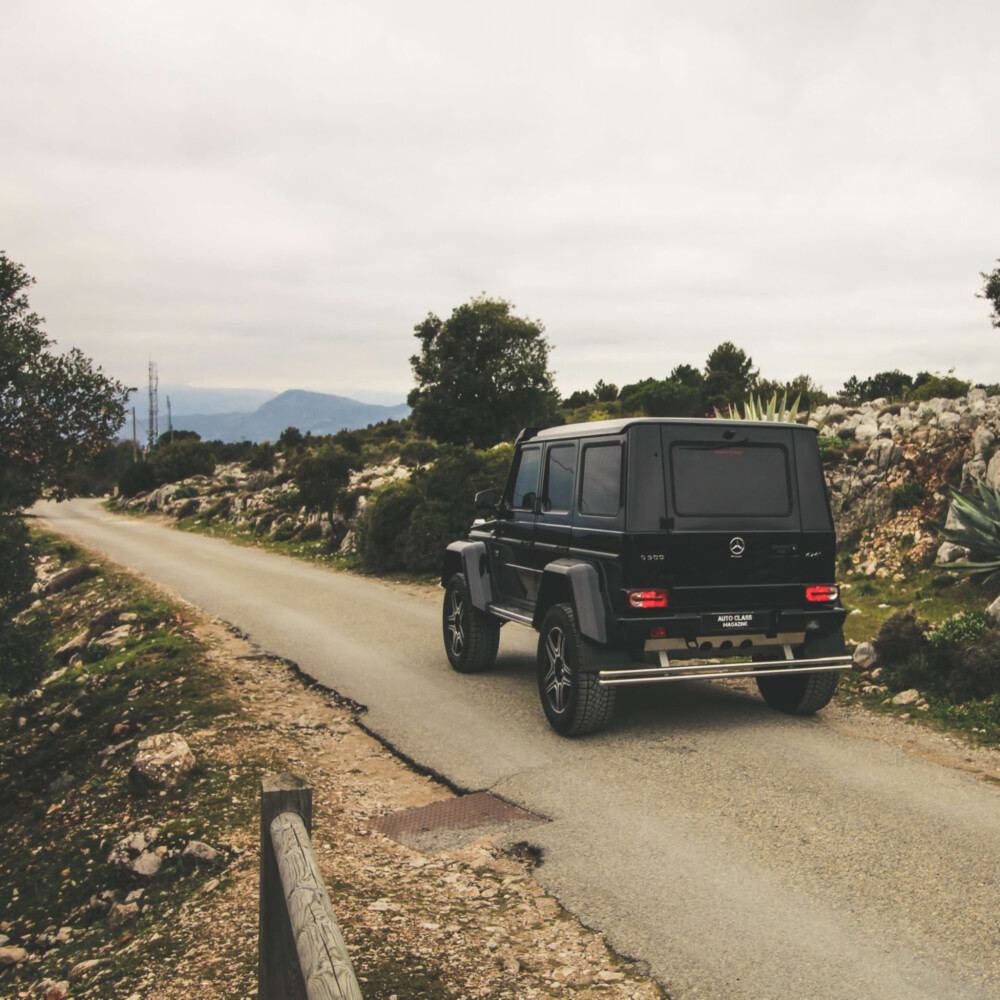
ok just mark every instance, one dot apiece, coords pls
pixel 153 432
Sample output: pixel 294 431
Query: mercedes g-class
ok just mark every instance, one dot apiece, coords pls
pixel 654 550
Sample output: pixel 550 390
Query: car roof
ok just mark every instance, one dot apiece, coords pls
pixel 597 428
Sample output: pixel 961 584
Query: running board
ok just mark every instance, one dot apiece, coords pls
pixel 714 671
pixel 510 614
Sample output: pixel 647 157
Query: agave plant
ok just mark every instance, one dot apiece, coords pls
pixel 980 530
pixel 754 409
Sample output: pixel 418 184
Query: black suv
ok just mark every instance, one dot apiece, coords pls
pixel 653 550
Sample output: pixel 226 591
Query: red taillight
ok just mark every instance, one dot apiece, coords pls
pixel 821 594
pixel 647 598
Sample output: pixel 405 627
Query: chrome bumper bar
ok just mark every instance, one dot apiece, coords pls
pixel 681 671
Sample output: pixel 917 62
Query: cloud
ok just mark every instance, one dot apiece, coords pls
pixel 274 196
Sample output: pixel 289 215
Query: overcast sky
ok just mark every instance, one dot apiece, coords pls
pixel 272 195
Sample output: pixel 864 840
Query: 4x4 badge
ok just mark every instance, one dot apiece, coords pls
pixel 737 546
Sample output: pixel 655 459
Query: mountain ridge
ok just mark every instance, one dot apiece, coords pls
pixel 313 412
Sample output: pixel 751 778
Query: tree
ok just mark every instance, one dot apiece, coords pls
pixel 991 291
pixel 56 411
pixel 605 392
pixel 729 376
pixel 661 398
pixel 687 375
pixel 482 375
pixel 321 477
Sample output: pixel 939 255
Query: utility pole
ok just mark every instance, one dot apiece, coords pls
pixel 170 422
pixel 153 429
pixel 135 439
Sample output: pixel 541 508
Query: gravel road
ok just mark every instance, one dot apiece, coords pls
pixel 739 852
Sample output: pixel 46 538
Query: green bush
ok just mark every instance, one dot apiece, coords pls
pixel 908 494
pixel 975 670
pixel 321 477
pixel 418 452
pixel 185 492
pixel 959 661
pixel 381 529
pixel 21 660
pixel 963 629
pixel 407 525
pixel 428 533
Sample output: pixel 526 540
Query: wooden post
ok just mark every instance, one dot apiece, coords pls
pixel 278 973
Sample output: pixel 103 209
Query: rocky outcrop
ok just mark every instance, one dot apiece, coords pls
pixel 892 469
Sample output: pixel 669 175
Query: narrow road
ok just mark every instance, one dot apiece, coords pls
pixel 740 853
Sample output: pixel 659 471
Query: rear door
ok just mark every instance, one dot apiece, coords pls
pixel 732 508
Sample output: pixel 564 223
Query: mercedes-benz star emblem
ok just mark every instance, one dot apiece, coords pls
pixel 737 546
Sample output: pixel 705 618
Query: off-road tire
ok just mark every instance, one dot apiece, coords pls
pixel 572 699
pixel 799 694
pixel 471 636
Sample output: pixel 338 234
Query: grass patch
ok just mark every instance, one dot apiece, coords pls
pixel 65 750
pixel 935 597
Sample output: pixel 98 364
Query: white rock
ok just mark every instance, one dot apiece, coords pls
pixel 949 552
pixel 994 609
pixel 864 655
pixel 908 697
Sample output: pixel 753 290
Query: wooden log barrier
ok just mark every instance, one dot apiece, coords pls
pixel 302 954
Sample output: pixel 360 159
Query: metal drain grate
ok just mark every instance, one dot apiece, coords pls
pixel 452 822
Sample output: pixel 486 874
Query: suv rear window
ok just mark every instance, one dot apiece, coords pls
pixel 744 480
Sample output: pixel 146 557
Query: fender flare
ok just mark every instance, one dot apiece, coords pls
pixel 588 600
pixel 471 559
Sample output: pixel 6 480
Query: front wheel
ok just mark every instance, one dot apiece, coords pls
pixel 471 636
pixel 573 700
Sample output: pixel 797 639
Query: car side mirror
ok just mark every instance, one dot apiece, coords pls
pixel 487 501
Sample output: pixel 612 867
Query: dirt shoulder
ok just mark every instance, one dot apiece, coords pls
pixel 466 920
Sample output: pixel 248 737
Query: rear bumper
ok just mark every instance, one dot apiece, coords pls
pixel 690 628
pixel 688 670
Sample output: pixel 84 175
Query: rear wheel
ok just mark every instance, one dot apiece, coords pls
pixel 803 694
pixel 799 694
pixel 573 700
pixel 471 636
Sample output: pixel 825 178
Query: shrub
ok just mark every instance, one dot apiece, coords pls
pixel 321 477
pixel 418 452
pixel 975 670
pixel 380 529
pixel 900 637
pixel 430 530
pixel 961 630
pixel 263 458
pixel 185 492
pixel 21 660
pixel 180 460
pixel 908 494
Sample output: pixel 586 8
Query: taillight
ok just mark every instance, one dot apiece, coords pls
pixel 821 594
pixel 647 598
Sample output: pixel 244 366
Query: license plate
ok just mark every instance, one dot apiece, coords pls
pixel 736 621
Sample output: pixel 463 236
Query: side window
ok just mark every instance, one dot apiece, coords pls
pixel 601 493
pixel 560 471
pixel 526 483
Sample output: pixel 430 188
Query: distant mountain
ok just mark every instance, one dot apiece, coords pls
pixel 318 412
pixel 190 399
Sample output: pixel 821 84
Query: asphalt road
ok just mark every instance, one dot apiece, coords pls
pixel 739 852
